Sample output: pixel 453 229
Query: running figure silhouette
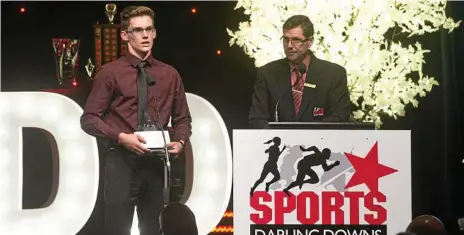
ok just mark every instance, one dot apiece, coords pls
pixel 271 165
pixel 318 158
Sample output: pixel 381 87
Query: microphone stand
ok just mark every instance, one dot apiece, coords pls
pixel 167 173
pixel 276 114
pixel 166 163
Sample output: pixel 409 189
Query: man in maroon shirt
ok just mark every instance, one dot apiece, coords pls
pixel 133 176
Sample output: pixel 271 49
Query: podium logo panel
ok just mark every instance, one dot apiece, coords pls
pixel 321 182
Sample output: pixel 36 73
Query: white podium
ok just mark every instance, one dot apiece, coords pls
pixel 321 182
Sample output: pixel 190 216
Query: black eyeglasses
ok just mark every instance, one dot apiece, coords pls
pixel 139 31
pixel 294 41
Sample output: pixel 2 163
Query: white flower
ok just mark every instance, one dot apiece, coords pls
pixel 384 76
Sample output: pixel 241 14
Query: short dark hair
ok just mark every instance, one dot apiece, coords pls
pixel 134 11
pixel 300 20
pixel 178 219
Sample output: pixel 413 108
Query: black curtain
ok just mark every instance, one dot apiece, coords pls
pixel 453 105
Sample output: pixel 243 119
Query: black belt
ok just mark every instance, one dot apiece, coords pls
pixel 124 151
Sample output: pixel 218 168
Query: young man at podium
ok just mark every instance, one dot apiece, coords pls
pixel 126 94
pixel 300 87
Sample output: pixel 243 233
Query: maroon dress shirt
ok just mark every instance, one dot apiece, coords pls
pixel 111 107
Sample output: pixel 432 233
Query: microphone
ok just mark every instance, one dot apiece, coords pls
pixel 151 81
pixel 167 163
pixel 301 71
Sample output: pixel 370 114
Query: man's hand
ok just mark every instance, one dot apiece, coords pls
pixel 133 142
pixel 175 147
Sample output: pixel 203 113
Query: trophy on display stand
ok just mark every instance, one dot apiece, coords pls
pixel 108 44
pixel 110 11
pixel 66 59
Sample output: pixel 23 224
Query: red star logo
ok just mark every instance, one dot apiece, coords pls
pixel 368 170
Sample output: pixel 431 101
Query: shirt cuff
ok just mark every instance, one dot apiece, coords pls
pixel 178 138
pixel 114 135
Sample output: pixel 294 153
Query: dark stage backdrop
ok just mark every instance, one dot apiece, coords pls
pixel 189 43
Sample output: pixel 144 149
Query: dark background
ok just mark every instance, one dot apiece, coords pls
pixel 189 43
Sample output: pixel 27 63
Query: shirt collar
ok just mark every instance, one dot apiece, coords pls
pixel 306 62
pixel 134 60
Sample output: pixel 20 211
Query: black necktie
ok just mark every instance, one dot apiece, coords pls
pixel 142 93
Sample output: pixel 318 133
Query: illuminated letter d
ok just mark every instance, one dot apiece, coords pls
pixel 76 155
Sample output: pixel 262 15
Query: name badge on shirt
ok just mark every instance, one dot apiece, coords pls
pixel 310 85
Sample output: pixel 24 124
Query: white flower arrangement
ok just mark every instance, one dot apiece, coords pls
pixel 383 75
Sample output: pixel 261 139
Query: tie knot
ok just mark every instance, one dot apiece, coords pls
pixel 295 69
pixel 142 64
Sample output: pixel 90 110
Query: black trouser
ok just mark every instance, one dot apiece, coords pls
pixel 132 180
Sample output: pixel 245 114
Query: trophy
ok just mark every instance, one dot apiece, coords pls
pixel 153 135
pixel 66 58
pixel 149 124
pixel 89 67
pixel 110 11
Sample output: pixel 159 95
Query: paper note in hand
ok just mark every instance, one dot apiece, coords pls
pixel 154 139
